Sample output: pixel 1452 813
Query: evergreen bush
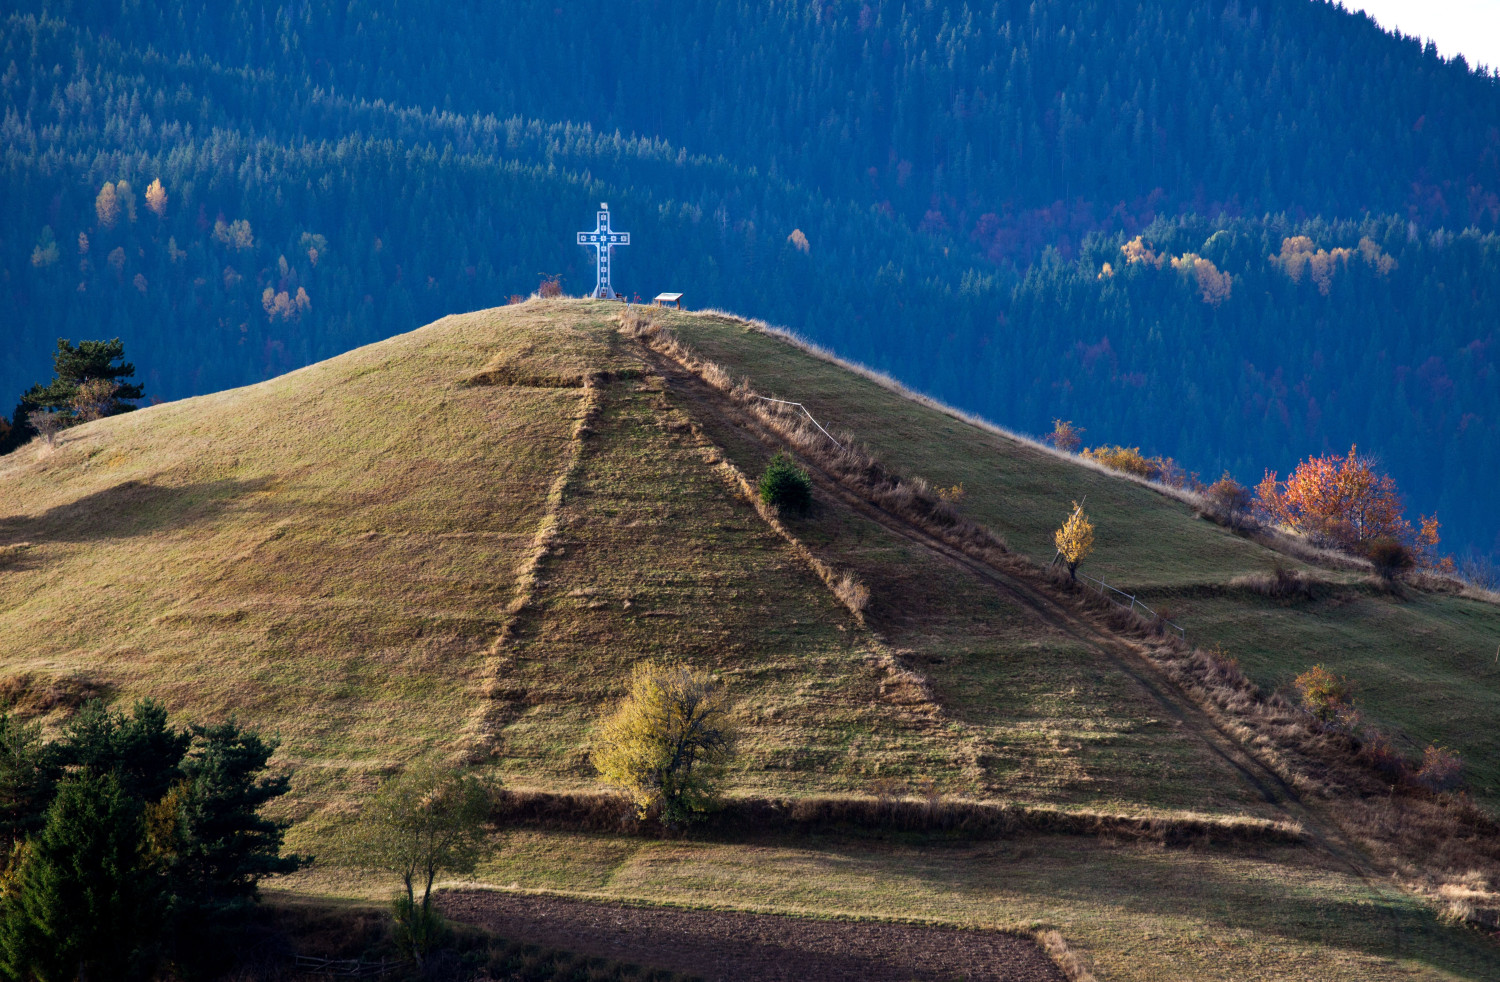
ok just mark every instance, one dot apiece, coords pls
pixel 785 486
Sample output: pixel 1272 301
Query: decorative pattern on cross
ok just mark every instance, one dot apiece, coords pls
pixel 603 239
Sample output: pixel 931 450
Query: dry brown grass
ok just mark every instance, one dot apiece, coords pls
pixel 1481 594
pixel 1316 762
pixel 902 685
pixel 843 585
pixel 344 581
pixel 1069 961
pixel 1434 840
pixel 854 594
pixel 1219 689
pixel 327 555
pixel 659 546
pixel 1283 584
pixel 521 375
pixel 911 498
pixel 31 694
pixel 11 552
pixel 1299 547
pixel 492 712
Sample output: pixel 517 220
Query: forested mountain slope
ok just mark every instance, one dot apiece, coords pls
pixel 960 176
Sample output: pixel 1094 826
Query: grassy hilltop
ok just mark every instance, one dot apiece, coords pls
pixel 455 543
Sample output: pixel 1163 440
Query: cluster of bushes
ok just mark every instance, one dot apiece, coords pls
pixel 893 807
pixel 1282 583
pixel 1329 700
pixel 1130 460
pixel 134 847
pixel 1339 502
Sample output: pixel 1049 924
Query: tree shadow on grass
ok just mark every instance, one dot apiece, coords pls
pixel 127 509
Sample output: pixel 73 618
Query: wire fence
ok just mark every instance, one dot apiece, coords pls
pixel 806 413
pixel 1129 602
pixel 344 968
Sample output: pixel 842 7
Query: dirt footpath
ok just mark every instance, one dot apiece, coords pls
pixel 732 947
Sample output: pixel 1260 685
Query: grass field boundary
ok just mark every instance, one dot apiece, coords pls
pixel 1068 961
pixel 743 817
pixel 806 412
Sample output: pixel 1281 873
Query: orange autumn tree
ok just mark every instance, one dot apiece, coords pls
pixel 1345 502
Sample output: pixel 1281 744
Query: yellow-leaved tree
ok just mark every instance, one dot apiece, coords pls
pixel 667 742
pixel 156 198
pixel 1075 540
pixel 107 206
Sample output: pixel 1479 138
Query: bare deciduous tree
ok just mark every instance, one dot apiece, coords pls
pixel 46 424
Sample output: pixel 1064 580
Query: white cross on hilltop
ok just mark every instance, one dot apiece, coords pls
pixel 603 239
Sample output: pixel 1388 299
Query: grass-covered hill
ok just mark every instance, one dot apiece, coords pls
pixel 455 543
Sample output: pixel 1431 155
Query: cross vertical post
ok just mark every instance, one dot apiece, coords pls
pixel 604 239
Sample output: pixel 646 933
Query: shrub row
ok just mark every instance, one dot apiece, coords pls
pixel 750 816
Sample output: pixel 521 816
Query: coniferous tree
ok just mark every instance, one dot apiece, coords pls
pixel 141 749
pixel 151 849
pixel 28 776
pixel 212 841
pixel 87 361
pixel 74 368
pixel 985 175
pixel 81 907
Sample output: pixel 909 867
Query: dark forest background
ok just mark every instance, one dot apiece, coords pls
pixel 1311 204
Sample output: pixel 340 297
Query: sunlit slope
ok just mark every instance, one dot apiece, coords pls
pixel 325 554
pixel 656 551
pixel 1424 664
pixel 456 542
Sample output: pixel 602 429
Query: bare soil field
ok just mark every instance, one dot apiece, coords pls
pixel 727 945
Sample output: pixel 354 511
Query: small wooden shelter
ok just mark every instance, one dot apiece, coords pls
pixel 673 300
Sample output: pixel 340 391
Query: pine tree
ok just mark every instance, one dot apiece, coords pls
pixel 82 908
pixel 28 775
pixel 210 839
pixel 141 750
pixel 75 366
